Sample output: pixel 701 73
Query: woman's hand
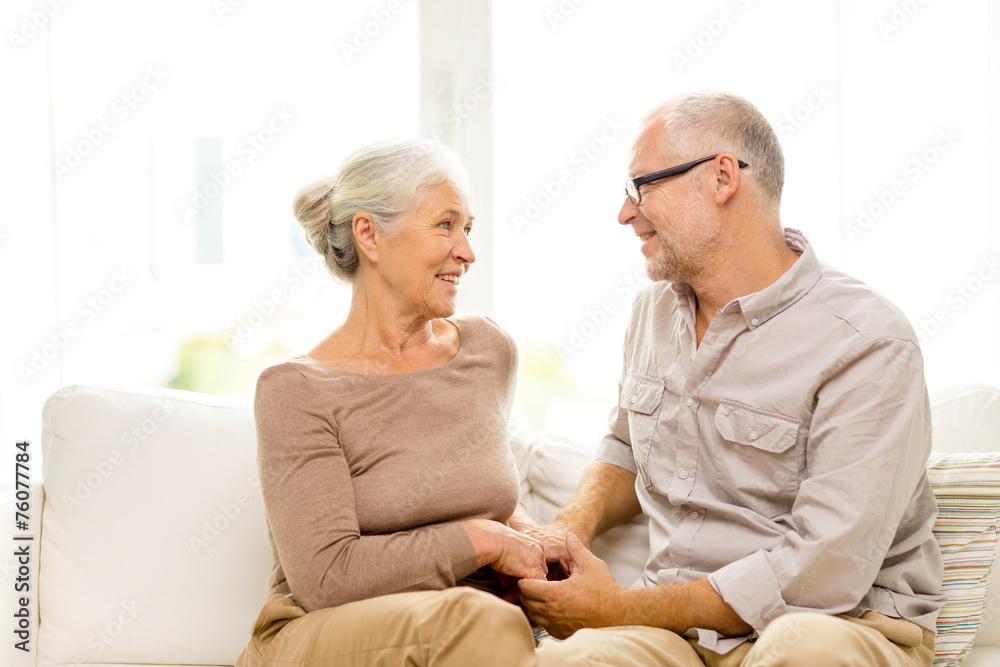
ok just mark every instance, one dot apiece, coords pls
pixel 506 550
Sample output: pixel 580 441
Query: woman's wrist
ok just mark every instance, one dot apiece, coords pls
pixel 484 541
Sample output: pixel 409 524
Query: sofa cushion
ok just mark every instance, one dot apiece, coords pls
pixel 983 656
pixel 154 546
pixel 967 419
pixel 967 489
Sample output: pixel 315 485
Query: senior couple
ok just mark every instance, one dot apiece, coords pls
pixel 772 424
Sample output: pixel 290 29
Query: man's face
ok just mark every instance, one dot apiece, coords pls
pixel 674 220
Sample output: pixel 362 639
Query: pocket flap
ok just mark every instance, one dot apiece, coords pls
pixel 755 428
pixel 641 394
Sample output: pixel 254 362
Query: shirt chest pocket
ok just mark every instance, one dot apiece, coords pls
pixel 642 396
pixel 758 461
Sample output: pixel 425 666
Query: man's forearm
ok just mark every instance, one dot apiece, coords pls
pixel 679 608
pixel 604 499
pixel 521 520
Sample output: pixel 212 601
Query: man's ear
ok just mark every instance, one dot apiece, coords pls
pixel 727 177
pixel 365 235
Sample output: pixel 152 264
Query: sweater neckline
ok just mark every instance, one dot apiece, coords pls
pixel 462 351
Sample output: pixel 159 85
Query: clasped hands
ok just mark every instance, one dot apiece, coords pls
pixel 577 592
pixel 576 589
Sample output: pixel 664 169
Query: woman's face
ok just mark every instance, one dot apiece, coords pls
pixel 427 259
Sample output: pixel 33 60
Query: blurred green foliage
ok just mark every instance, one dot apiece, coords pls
pixel 208 363
pixel 543 379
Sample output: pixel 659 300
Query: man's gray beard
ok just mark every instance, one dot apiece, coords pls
pixel 666 266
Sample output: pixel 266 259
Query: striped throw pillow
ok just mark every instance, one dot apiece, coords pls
pixel 967 488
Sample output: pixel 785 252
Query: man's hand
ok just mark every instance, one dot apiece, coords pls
pixel 521 521
pixel 553 540
pixel 589 598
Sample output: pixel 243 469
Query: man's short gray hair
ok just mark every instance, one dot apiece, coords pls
pixel 381 179
pixel 705 122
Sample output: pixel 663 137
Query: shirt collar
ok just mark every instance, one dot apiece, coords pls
pixel 761 306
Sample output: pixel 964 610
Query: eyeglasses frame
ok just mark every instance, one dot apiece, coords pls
pixel 667 173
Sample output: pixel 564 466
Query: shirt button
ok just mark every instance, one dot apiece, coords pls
pixel 754 321
pixel 694 515
pixel 632 400
pixel 689 402
pixel 753 435
pixel 684 474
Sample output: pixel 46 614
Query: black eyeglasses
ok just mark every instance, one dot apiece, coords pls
pixel 632 184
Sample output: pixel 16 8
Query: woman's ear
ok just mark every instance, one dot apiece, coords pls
pixel 365 235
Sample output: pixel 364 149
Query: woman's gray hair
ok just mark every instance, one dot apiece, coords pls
pixel 381 179
pixel 705 122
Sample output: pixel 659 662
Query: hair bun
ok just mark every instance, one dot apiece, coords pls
pixel 312 207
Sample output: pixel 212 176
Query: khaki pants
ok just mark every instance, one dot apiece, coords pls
pixel 456 627
pixel 794 640
pixel 463 627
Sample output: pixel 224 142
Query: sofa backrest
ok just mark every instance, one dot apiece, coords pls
pixel 154 543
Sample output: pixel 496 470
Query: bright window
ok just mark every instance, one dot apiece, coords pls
pixel 869 117
pixel 162 251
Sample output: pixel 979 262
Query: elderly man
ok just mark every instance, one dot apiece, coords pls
pixel 772 423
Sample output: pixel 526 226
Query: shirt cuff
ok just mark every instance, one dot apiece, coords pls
pixel 751 589
pixel 614 451
pixel 716 643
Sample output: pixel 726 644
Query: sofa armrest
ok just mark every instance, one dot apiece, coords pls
pixel 18 579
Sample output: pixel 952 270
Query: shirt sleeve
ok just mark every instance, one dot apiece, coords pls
pixel 310 507
pixel 865 464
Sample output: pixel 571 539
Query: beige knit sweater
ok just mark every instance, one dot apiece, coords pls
pixel 365 477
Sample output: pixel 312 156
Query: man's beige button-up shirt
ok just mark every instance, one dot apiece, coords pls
pixel 783 457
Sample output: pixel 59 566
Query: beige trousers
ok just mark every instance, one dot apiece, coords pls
pixel 463 627
pixel 794 640
pixel 456 627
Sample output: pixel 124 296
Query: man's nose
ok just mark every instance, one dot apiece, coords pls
pixel 627 213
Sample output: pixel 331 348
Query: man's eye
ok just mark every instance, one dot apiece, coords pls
pixel 445 225
pixel 468 230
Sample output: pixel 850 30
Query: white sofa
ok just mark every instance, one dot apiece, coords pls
pixel 152 548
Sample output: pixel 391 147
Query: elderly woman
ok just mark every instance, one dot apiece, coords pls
pixel 384 463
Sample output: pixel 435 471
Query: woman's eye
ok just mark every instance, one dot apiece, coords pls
pixel 468 230
pixel 445 224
